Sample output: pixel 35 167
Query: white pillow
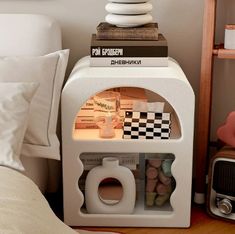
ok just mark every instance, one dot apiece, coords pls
pixel 49 70
pixel 15 99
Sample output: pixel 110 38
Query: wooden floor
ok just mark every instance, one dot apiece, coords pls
pixel 201 223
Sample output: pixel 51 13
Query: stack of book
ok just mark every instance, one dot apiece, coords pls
pixel 90 160
pixel 85 117
pixel 139 46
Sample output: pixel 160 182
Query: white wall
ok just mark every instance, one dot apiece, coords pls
pixel 179 20
pixel 224 70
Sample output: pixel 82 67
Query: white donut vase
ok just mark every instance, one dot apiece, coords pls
pixel 130 9
pixel 128 20
pixel 110 169
pixel 129 1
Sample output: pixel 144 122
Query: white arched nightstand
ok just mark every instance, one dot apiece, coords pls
pixel 168 82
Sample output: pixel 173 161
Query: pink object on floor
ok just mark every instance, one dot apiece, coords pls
pixel 226 132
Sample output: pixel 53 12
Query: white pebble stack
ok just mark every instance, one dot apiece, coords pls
pixel 128 13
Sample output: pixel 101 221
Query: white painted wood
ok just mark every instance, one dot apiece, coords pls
pixel 168 82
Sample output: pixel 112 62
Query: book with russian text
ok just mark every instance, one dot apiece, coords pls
pixel 128 48
pixel 129 62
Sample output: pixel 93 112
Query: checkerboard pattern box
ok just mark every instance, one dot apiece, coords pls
pixel 146 125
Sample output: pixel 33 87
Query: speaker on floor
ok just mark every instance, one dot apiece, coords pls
pixel 221 185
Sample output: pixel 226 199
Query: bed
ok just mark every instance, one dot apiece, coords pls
pixel 29 46
pixel 32 70
pixel 33 35
pixel 23 209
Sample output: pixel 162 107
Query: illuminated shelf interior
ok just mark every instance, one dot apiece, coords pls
pixel 93 134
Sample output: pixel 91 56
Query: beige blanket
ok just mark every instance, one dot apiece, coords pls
pixel 24 210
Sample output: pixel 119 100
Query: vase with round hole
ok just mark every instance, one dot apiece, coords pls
pixel 110 168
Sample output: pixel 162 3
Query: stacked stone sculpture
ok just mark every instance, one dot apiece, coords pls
pixel 128 13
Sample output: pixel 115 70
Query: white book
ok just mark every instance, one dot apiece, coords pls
pixel 88 104
pixel 129 62
pixel 89 167
pixel 86 113
pixel 87 117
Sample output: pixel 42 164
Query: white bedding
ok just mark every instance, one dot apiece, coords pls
pixel 24 210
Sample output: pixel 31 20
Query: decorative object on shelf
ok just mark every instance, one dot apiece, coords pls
pixel 229 38
pixel 106 112
pixel 226 132
pixel 128 38
pixel 156 107
pixel 128 13
pixel 147 121
pixel 166 167
pixel 221 185
pixel 85 116
pixel 146 125
pixel 158 185
pixel 110 169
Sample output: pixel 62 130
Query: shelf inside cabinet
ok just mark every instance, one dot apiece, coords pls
pixel 138 211
pixel 140 208
pixel 222 53
pixel 93 134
